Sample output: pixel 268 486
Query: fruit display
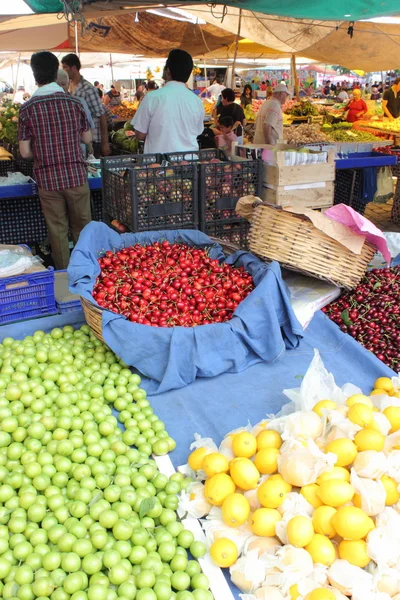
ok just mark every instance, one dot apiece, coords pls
pixel 9 122
pixel 306 506
pixel 353 135
pixel 249 113
pixel 385 125
pixel 209 106
pixel 288 106
pixel 169 285
pixel 304 109
pixel 370 314
pixel 126 110
pixel 393 150
pixel 304 134
pixel 83 515
pixel 125 139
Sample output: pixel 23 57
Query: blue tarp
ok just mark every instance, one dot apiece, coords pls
pixel 263 326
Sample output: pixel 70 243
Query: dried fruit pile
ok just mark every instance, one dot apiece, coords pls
pixel 370 314
pixel 168 285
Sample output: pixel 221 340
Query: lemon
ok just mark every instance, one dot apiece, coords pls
pixel 235 510
pixel 345 450
pixel 355 552
pixel 278 477
pixel 294 592
pixel 378 392
pixel 352 523
pixel 390 485
pixel 310 493
pixel 300 531
pixel 359 398
pixel 392 413
pixel 334 473
pixel 266 460
pixel 196 458
pixel 217 488
pixel 369 439
pixel 335 492
pixel 320 594
pixel 224 552
pixel 360 414
pixel 322 521
pixel 272 493
pixel 244 473
pixel 244 444
pixel 324 405
pixel 384 383
pixel 263 521
pixel 321 550
pixel 268 439
pixel 215 463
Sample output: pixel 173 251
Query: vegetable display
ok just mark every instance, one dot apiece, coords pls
pixel 371 314
pixel 304 109
pixel 304 134
pixel 125 139
pixel 305 506
pixel 83 515
pixel 126 110
pixel 168 285
pixel 343 135
pixel 9 123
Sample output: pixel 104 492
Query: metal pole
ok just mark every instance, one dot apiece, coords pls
pixel 76 38
pixel 294 76
pixel 112 70
pixel 236 48
pixel 16 76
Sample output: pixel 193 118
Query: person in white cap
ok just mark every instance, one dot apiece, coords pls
pixel 269 124
pixel 113 97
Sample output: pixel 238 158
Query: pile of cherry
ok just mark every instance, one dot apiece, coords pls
pixel 169 285
pixel 371 314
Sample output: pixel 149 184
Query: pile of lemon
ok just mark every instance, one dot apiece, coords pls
pixel 338 527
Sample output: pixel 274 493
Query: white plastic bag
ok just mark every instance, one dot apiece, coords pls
pixel 248 572
pixel 263 545
pixel 300 465
pixel 340 427
pixel 370 464
pixel 345 577
pixel 16 260
pixel 383 542
pixel 193 502
pixel 295 504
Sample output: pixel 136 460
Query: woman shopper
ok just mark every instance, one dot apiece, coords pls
pixel 247 96
pixel 356 108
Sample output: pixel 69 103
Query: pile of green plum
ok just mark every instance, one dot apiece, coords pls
pixel 83 514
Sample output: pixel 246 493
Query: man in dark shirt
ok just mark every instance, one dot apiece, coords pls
pixel 51 126
pixel 229 108
pixel 391 101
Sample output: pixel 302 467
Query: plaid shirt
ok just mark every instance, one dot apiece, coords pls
pixel 54 125
pixel 89 93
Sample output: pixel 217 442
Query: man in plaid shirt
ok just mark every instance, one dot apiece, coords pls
pixel 81 88
pixel 51 126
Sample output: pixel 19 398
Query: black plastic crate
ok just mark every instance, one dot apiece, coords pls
pixel 6 166
pixel 221 186
pixel 96 201
pixel 235 231
pixel 347 189
pixel 24 166
pixel 144 197
pixel 22 221
pixel 198 155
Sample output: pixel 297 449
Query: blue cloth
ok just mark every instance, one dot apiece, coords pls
pixel 262 327
pixel 369 184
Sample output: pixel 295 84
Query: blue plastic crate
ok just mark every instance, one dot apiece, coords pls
pixel 27 296
pixel 69 305
pixel 21 190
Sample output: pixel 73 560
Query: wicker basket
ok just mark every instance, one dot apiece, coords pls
pixel 298 245
pixel 93 314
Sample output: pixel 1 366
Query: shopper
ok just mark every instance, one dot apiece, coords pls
pixel 356 108
pixel 151 86
pixel 229 108
pixel 342 94
pixel 225 136
pixel 113 97
pixel 81 88
pixel 269 124
pixel 246 98
pixel 391 100
pixel 375 95
pixel 214 89
pixel 171 118
pixel 51 126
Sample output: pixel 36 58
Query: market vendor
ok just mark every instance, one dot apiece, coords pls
pixel 246 99
pixel 269 123
pixel 51 127
pixel 170 118
pixel 113 97
pixel 356 108
pixel 391 101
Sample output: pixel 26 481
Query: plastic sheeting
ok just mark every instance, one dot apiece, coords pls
pixel 262 327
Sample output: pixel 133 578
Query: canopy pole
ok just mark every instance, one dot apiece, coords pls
pixel 76 38
pixel 236 49
pixel 112 70
pixel 294 77
pixel 16 76
pixel 205 73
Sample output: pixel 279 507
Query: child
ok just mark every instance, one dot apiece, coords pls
pixel 224 134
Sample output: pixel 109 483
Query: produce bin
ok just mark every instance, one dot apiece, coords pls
pixel 27 296
pixel 200 155
pixel 145 197
pixel 19 190
pixel 65 301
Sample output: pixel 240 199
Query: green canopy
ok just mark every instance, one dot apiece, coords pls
pixel 326 10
